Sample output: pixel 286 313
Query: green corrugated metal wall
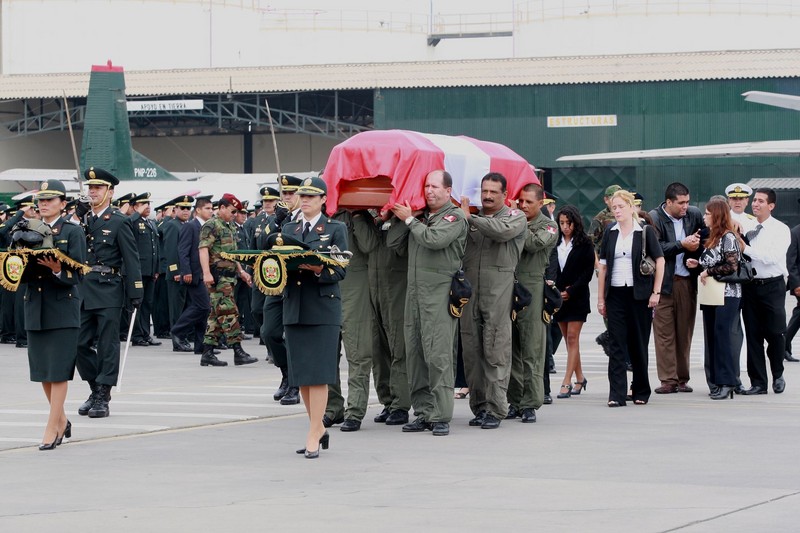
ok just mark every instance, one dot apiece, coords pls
pixel 649 115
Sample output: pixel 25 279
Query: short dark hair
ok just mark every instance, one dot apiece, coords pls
pixel 674 190
pixel 535 188
pixel 447 179
pixel 201 202
pixel 497 178
pixel 224 202
pixel 772 198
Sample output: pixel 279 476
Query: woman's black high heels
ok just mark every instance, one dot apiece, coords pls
pixel 724 393
pixel 59 438
pixel 324 443
pixel 576 391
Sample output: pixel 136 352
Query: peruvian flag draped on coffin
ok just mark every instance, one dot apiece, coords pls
pixel 377 169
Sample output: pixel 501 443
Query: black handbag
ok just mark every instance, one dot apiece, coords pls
pixel 521 298
pixel 460 293
pixel 552 302
pixel 745 273
pixel 647 266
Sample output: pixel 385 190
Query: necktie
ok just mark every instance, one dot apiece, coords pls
pixel 752 234
pixel 306 228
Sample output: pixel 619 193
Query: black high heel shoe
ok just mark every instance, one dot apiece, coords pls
pixel 51 445
pixel 565 394
pixel 324 443
pixel 724 393
pixel 576 392
pixel 67 433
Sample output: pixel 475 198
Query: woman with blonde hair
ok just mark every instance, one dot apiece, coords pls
pixel 723 250
pixel 627 297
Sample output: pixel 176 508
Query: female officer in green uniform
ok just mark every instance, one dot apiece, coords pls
pixel 312 311
pixel 53 310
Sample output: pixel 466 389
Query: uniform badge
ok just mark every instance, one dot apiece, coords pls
pixel 449 218
pixel 141 225
pixel 55 230
pixel 44 186
pixel 107 216
pixel 320 228
pixel 106 232
pixel 551 230
pixel 324 238
pixel 513 212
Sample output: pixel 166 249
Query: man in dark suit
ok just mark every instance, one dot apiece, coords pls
pixel 678 226
pixel 110 247
pixel 192 322
pixel 793 265
pixel 146 235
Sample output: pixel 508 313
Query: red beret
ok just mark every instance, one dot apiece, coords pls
pixel 233 201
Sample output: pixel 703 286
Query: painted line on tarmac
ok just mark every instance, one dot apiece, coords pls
pixel 206 404
pixel 203 393
pixel 137 413
pixel 90 426
pixel 722 515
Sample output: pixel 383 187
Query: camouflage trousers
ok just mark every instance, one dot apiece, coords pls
pixel 224 316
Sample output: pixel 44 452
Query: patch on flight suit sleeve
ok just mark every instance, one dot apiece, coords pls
pixel 450 218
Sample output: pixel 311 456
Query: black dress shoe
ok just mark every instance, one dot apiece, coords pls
pixel 440 429
pixel 152 342
pixel 779 385
pixel 738 389
pixel 528 416
pixel 418 425
pixel 292 396
pixel 328 421
pixel 8 340
pixel 163 336
pixel 513 412
pixel 547 399
pixel 140 342
pixel 478 420
pixel 383 416
pixel 397 417
pixel 22 344
pixel 789 357
pixel 351 424
pixel 490 422
pixel 755 389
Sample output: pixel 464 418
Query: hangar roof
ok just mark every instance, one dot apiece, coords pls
pixel 745 64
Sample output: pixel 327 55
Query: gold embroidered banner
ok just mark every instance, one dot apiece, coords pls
pixel 14 262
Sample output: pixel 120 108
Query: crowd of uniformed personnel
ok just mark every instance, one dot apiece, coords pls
pixel 400 319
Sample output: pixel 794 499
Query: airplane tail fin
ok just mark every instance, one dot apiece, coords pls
pixel 107 134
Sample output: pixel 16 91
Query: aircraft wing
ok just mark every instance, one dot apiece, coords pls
pixel 787 101
pixel 762 148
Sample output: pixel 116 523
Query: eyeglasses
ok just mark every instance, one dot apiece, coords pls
pixel 184 207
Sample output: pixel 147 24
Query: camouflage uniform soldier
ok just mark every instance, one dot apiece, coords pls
pixel 219 275
pixel 596 230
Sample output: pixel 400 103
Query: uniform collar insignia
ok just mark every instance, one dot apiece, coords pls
pixel 320 228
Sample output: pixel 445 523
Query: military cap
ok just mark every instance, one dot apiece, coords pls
pixel 181 201
pixel 279 239
pixel 637 199
pixel 205 197
pixel 98 176
pixel 24 202
pixel 124 199
pixel 258 204
pixel 549 198
pixel 235 202
pixel 268 193
pixel 611 189
pixel 51 189
pixel 143 198
pixel 215 204
pixel 289 183
pixel 738 190
pixel 71 204
pixel 4 207
pixel 312 187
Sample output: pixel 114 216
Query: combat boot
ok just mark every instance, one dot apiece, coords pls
pixel 283 387
pixel 83 410
pixel 208 357
pixel 100 406
pixel 240 357
pixel 292 396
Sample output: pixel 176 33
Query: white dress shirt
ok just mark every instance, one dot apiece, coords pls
pixel 622 274
pixel 768 249
pixel 563 252
pixel 680 234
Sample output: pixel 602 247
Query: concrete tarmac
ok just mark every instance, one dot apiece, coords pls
pixel 207 449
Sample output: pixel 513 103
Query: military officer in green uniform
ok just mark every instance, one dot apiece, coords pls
pixel 219 275
pixel 388 275
pixel 496 237
pixel 241 289
pixel 169 232
pixel 254 228
pixel 526 388
pixel 25 209
pixel 161 303
pixel 110 247
pixel 435 247
pixel 144 229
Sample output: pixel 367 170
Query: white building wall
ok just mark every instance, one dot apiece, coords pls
pixel 47 36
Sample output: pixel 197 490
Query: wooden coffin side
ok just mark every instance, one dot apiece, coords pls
pixel 367 193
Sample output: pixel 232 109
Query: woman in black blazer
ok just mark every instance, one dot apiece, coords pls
pixel 571 268
pixel 627 298
pixel 312 311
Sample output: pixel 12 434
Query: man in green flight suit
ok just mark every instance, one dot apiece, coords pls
pixel 219 275
pixel 435 248
pixel 494 244
pixel 110 248
pixel 526 388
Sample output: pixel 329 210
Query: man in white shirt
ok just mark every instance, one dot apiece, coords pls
pixel 764 299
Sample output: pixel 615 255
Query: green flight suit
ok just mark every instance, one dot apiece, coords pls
pixel 218 236
pixel 388 276
pixel 494 245
pixel 356 326
pixel 435 248
pixel 526 387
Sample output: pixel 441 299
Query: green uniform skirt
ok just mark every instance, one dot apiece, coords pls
pixel 312 354
pixel 52 354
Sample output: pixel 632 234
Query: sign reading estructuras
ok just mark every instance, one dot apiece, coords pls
pixel 581 121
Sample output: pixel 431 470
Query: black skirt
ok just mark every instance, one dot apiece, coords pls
pixel 52 354
pixel 313 354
